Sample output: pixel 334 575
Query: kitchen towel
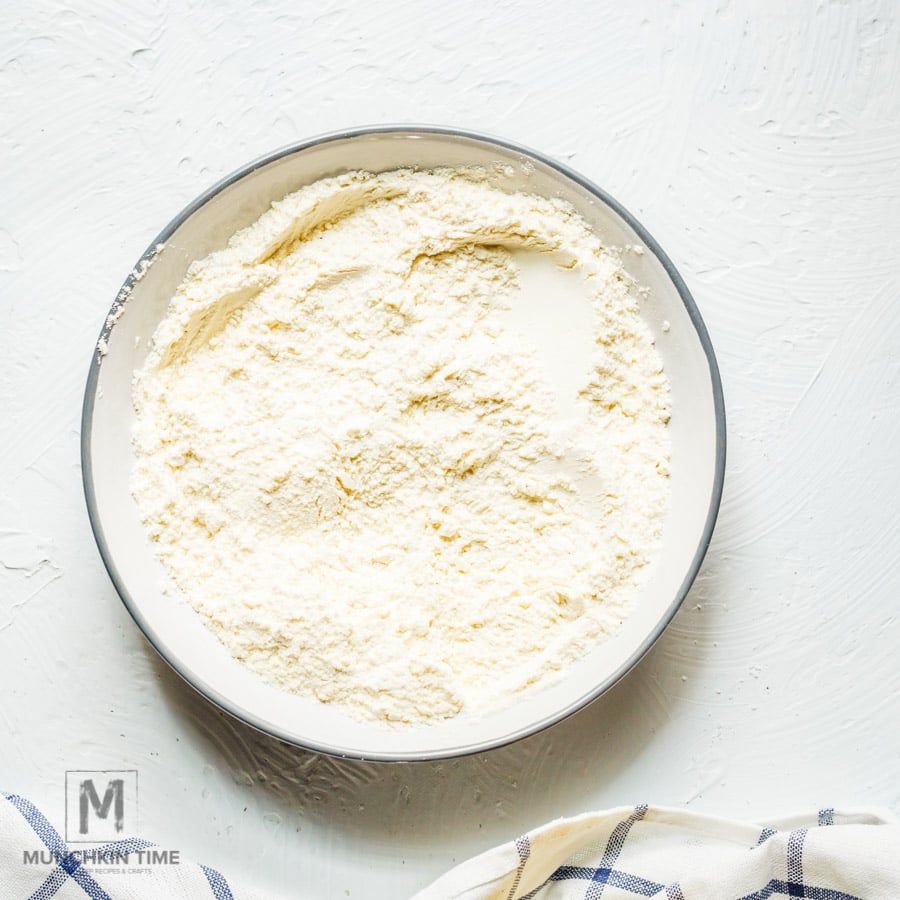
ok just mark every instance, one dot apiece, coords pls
pixel 621 853
pixel 672 854
pixel 37 864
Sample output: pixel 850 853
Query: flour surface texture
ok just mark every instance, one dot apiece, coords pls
pixel 358 471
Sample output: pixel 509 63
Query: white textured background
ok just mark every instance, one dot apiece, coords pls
pixel 758 141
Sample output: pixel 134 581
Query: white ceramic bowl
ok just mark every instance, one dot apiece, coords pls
pixel 697 433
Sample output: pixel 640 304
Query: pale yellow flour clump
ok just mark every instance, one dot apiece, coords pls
pixel 347 457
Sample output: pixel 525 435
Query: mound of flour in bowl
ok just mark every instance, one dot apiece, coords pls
pixel 355 468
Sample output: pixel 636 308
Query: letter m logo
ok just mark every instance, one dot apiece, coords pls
pixel 100 805
pixel 87 797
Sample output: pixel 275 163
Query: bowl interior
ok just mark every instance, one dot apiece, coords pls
pixel 696 432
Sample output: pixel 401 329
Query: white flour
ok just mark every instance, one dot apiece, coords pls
pixel 355 469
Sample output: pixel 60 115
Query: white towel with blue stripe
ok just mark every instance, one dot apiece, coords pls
pixel 37 864
pixel 619 854
pixel 671 854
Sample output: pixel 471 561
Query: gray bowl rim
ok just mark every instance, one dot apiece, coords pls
pixel 247 716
